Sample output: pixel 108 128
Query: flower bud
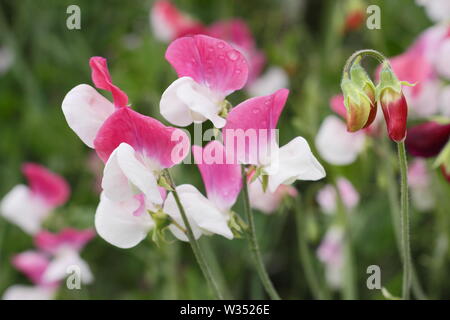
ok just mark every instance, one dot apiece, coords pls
pixel 361 79
pixel 427 139
pixel 393 103
pixel 357 104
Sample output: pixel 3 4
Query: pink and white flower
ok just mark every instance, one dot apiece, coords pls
pixel 420 184
pixel 28 206
pixel 268 202
pixel 326 197
pixel 222 182
pixel 209 69
pixel 33 264
pixel 250 138
pixel 335 144
pixel 64 247
pixel 331 252
pixel 169 23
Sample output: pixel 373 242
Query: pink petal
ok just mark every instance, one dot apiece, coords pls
pixel 209 61
pixel 33 264
pixel 52 242
pixel 337 105
pixel 52 188
pixel 166 146
pixel 258 114
pixel 102 80
pixel 222 181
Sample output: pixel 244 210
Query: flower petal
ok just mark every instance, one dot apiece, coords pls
pixel 33 264
pixel 116 223
pixel 337 146
pixel 164 146
pixel 48 186
pixel 102 80
pixel 68 237
pixel 273 79
pixel 210 62
pixel 295 162
pixel 222 181
pixel 122 171
pixel 63 265
pixel 85 111
pixel 20 207
pixel 256 117
pixel 21 292
pixel 185 101
pixel 268 202
pixel 202 214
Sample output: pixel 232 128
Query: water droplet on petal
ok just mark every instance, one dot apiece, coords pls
pixel 255 111
pixel 238 71
pixel 233 55
pixel 221 57
pixel 221 45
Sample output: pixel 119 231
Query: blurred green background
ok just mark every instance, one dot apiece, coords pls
pixel 303 37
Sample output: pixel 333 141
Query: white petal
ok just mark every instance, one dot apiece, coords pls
pixel 273 79
pixel 64 264
pixel 337 146
pixel 203 216
pixel 185 101
pixel 86 110
pixel 20 207
pixel 116 223
pixel 20 292
pixel 122 171
pixel 295 161
pixel 442 63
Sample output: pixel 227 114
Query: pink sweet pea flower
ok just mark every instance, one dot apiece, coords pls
pixel 335 144
pixel 331 252
pixel 209 69
pixel 64 247
pixel 33 264
pixel 28 206
pixel 222 183
pixel 326 197
pixel 250 138
pixel 268 202
pixel 135 148
pixel 169 23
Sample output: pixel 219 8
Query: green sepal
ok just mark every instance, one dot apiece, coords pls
pixel 237 225
pixel 163 181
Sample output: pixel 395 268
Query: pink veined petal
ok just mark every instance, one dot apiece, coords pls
pixel 209 61
pixel 52 242
pixel 33 264
pixel 102 80
pixel 50 187
pixel 166 146
pixel 257 117
pixel 222 181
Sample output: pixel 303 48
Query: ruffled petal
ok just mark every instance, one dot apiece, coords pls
pixel 210 62
pixel 185 101
pixel 203 216
pixel 116 223
pixel 102 80
pixel 33 264
pixel 163 146
pixel 222 181
pixel 295 161
pixel 68 237
pixel 337 146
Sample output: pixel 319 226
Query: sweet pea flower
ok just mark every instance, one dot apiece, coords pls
pixel 135 148
pixel 33 264
pixel 28 206
pixel 268 202
pixel 222 183
pixel 427 139
pixel 250 138
pixel 330 252
pixel 326 197
pixel 169 23
pixel 335 144
pixel 209 69
pixel 420 184
pixel 64 247
pixel 273 79
pixel 437 10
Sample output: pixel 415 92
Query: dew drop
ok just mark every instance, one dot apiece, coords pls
pixel 233 55
pixel 238 71
pixel 220 45
pixel 221 57
pixel 255 111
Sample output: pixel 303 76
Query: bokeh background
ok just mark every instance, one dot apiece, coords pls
pixel 306 39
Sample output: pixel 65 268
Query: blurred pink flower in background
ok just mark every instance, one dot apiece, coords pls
pixel 33 264
pixel 326 197
pixel 437 10
pixel 419 182
pixel 330 252
pixel 28 206
pixel 268 202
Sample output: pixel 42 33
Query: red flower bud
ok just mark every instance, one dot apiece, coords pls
pixel 427 139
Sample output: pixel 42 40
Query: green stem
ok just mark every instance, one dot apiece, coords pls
pixel 365 52
pixel 254 248
pixel 305 257
pixel 404 214
pixel 199 256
